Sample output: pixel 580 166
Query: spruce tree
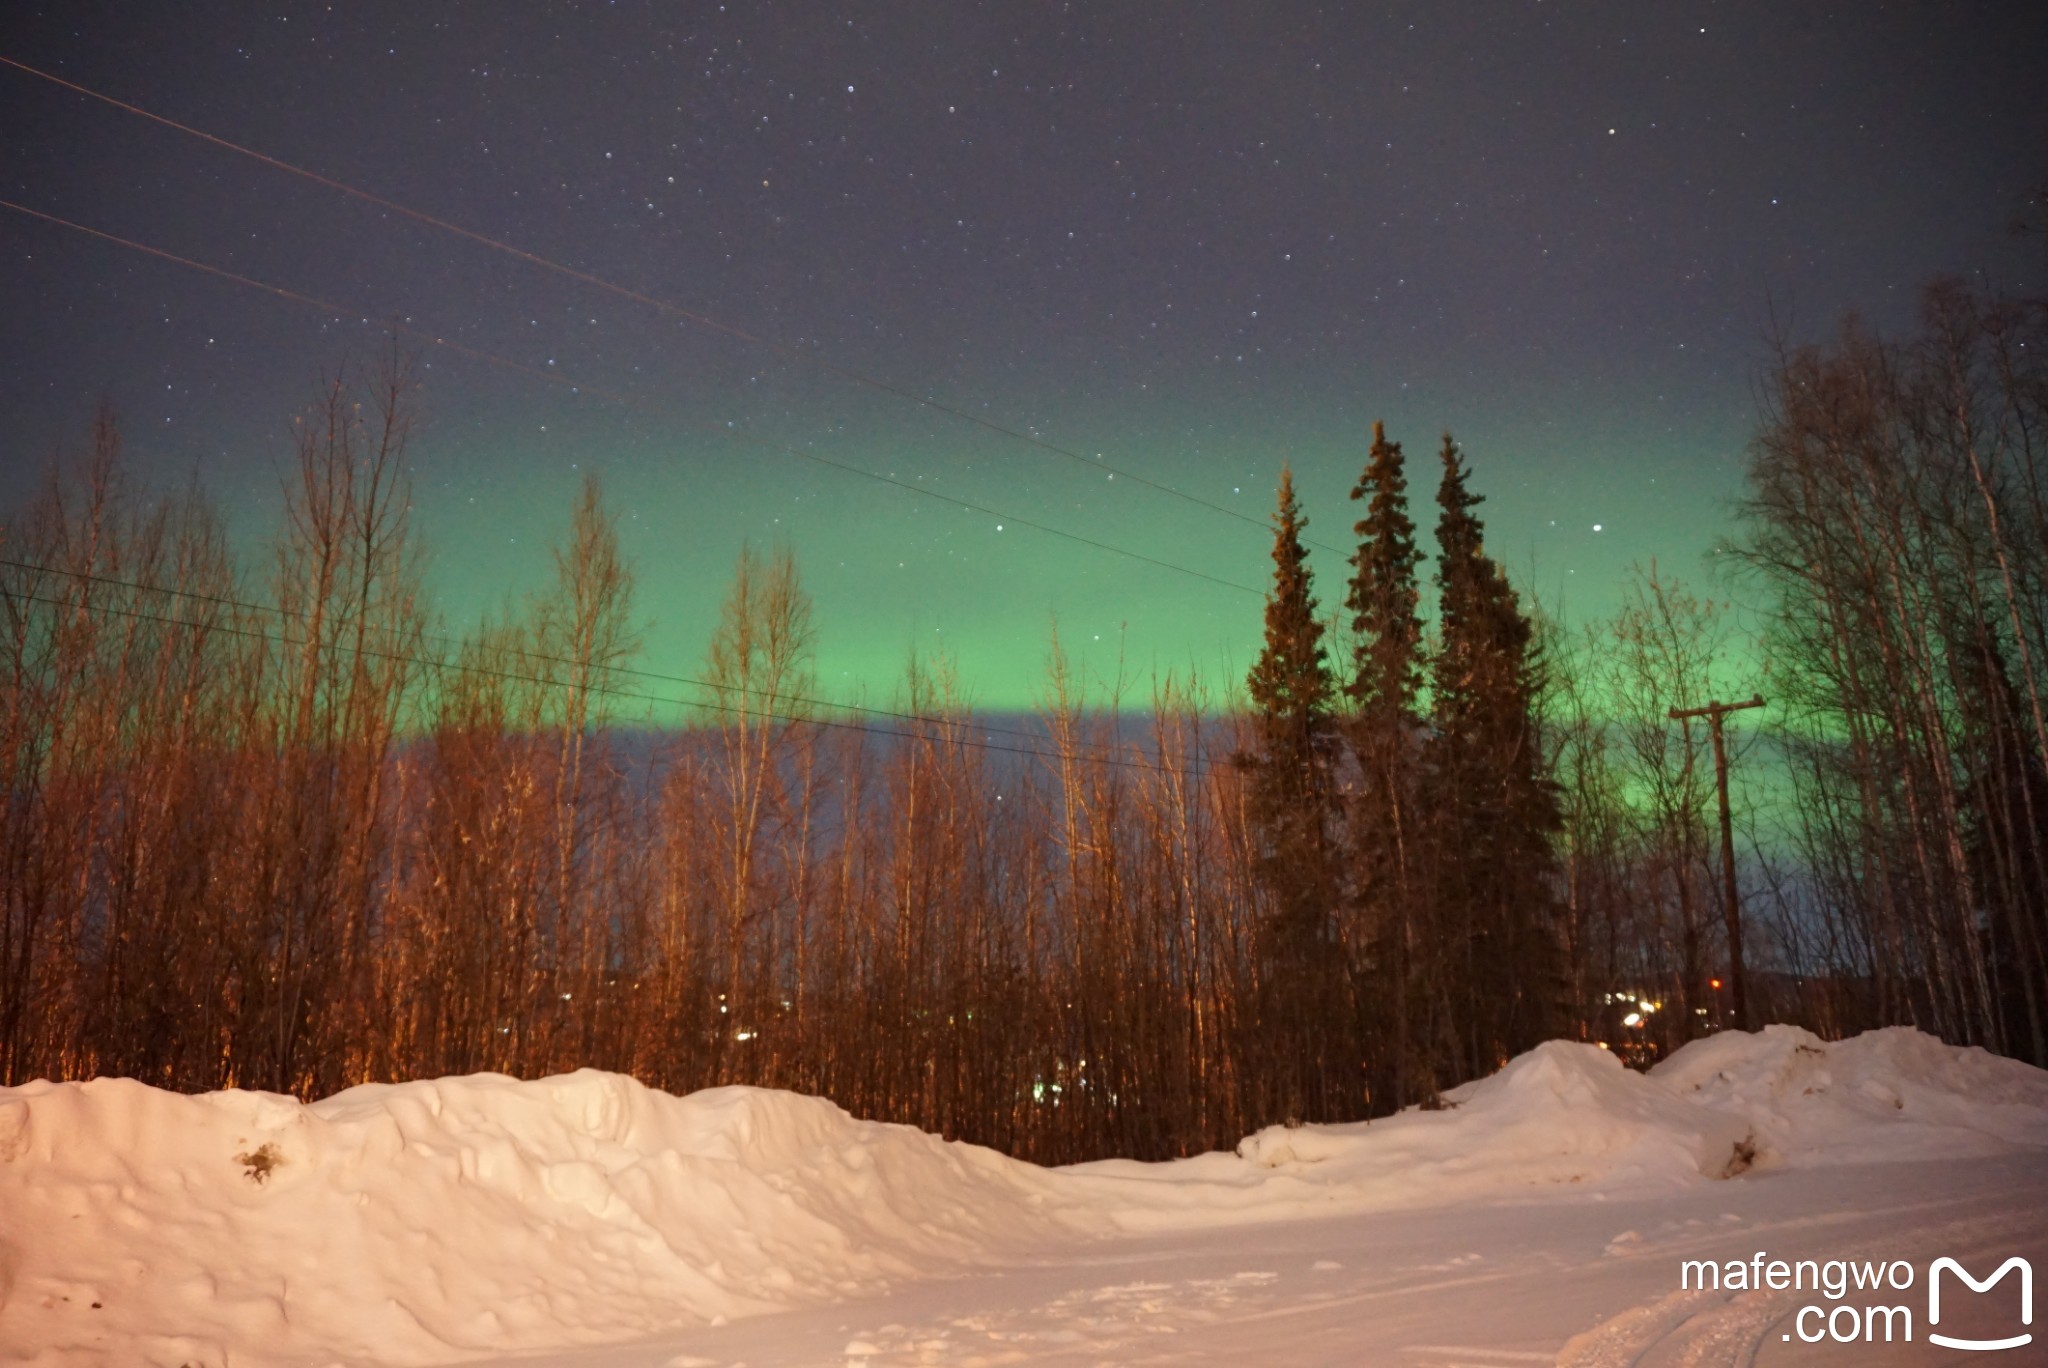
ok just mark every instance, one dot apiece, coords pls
pixel 1386 670
pixel 1496 960
pixel 1385 678
pixel 1290 799
pixel 1291 691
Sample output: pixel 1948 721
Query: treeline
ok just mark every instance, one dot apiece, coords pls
pixel 265 825
pixel 1896 528
pixel 1892 555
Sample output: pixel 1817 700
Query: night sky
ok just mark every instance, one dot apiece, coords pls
pixel 1187 241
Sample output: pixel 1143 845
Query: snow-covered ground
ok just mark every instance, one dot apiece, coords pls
pixel 585 1220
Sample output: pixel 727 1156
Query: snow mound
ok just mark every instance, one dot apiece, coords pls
pixel 423 1222
pixel 1563 1114
pixel 1895 1093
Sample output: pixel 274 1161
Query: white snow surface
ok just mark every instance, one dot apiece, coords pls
pixel 1563 1113
pixel 430 1221
pixel 595 1221
pixel 1890 1094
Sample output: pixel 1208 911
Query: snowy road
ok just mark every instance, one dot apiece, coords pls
pixel 1578 1279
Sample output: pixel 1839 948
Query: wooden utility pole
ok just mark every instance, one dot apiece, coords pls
pixel 1731 908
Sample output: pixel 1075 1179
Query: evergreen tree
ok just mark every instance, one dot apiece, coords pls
pixel 1495 965
pixel 1385 677
pixel 1291 798
pixel 1292 692
pixel 1386 670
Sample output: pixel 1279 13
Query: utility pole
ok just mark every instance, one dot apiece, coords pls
pixel 1731 909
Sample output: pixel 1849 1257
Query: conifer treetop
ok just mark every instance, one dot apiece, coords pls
pixel 1383 597
pixel 1291 677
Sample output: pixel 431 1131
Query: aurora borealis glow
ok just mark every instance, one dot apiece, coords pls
pixel 1199 240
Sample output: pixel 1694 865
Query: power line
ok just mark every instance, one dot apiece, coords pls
pixel 1095 752
pixel 981 508
pixel 649 301
pixel 320 304
pixel 224 601
pixel 576 386
pixel 602 690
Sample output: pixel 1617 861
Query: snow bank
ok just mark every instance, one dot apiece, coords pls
pixel 1563 1114
pixel 1890 1094
pixel 425 1222
pixel 1568 1117
pixel 429 1221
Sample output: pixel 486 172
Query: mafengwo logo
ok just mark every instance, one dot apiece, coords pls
pixel 1934 1272
pixel 1851 1319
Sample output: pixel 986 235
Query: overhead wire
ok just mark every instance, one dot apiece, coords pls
pixel 982 508
pixel 558 378
pixel 323 305
pixel 599 689
pixel 1092 751
pixel 663 306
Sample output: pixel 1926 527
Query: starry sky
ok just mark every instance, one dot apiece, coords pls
pixel 1136 255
